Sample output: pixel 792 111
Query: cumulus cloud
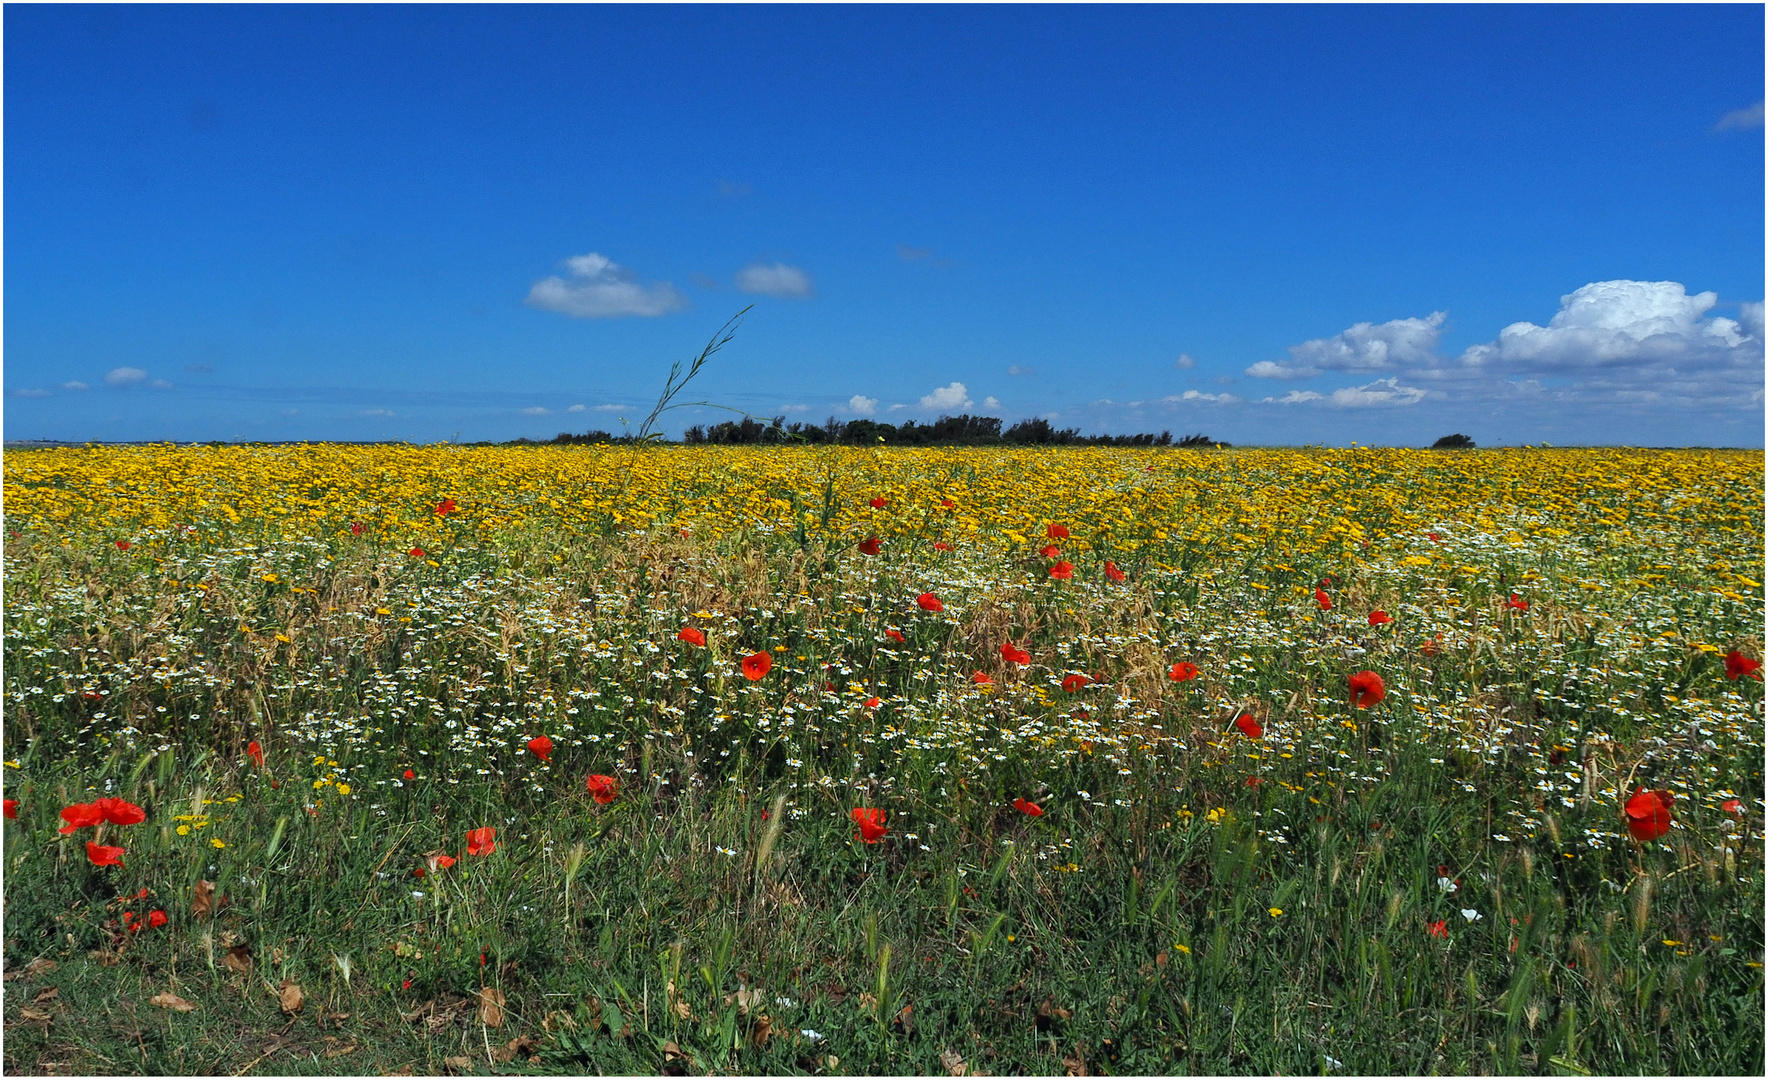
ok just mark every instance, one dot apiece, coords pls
pixel 1624 324
pixel 1741 119
pixel 780 280
pixel 1363 347
pixel 1381 392
pixel 608 408
pixel 1185 362
pixel 75 385
pixel 954 396
pixel 860 405
pixel 125 376
pixel 1749 317
pixel 991 402
pixel 1194 396
pixel 599 288
pixel 575 408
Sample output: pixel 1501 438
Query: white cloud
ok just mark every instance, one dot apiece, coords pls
pixel 601 289
pixel 575 408
pixel 160 384
pixel 954 396
pixel 991 402
pixel 794 408
pixel 1741 119
pixel 31 392
pixel 78 385
pixel 1363 347
pixel 860 405
pixel 1749 317
pixel 1270 369
pixel 1194 395
pixel 607 408
pixel 125 376
pixel 537 410
pixel 379 412
pixel 787 282
pixel 1617 325
pixel 1185 362
pixel 1020 370
pixel 1381 392
pixel 896 408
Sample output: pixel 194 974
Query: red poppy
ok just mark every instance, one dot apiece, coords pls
pixel 1517 603
pixel 1433 646
pixel 416 553
pixel 1648 814
pixel 79 816
pixel 870 822
pixel 445 507
pixel 1183 671
pixel 1730 806
pixel 124 545
pixel 691 635
pixel 870 545
pixel 1738 665
pixel 1062 571
pixel 409 775
pixel 157 919
pixel 947 503
pixel 602 788
pixel 481 841
pixel 941 545
pixel 981 678
pixel 1323 600
pixel 871 703
pixel 1434 538
pixel 1112 572
pixel 880 502
pixel 1254 781
pixel 104 854
pixel 928 602
pixel 1013 654
pixel 1250 727
pixel 894 635
pixel 541 747
pixel 1028 808
pixel 256 753
pixel 1057 532
pixel 437 861
pixel 356 528
pixel 1378 617
pixel 1440 928
pixel 1074 682
pixel 1049 551
pixel 12 809
pixel 757 665
pixel 1367 689
pixel 120 811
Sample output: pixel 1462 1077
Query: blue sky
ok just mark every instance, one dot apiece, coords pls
pixel 1269 224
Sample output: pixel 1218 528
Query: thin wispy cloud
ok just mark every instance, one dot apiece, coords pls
pixel 777 280
pixel 125 376
pixel 1741 119
pixel 599 288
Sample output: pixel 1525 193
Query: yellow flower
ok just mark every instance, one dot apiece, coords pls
pixel 343 788
pixel 1275 912
pixel 216 843
pixel 184 830
pixel 1186 949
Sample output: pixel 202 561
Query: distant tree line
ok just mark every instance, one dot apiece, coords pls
pixel 965 430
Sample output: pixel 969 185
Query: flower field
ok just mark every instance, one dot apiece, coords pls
pixel 345 759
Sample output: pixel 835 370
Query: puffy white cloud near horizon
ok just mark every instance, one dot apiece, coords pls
pixel 1381 392
pixel 125 376
pixel 778 280
pixel 1625 324
pixel 600 288
pixel 860 405
pixel 1363 347
pixel 955 396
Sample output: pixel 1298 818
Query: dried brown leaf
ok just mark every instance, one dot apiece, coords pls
pixel 491 1006
pixel 458 1064
pixel 238 958
pixel 25 1012
pixel 42 965
pixel 1077 1064
pixel 764 1030
pixel 952 1061
pixel 45 995
pixel 290 996
pixel 522 1045
pixel 169 1000
pixel 202 899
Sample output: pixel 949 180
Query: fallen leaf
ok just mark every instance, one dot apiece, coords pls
pixel 42 965
pixel 202 899
pixel 171 1001
pixel 104 956
pixel 1048 1014
pixel 458 1064
pixel 25 1012
pixel 290 996
pixel 45 995
pixel 953 1062
pixel 238 958
pixel 403 1070
pixel 675 1061
pixel 746 1000
pixel 1076 1065
pixel 526 1044
pixel 340 1051
pixel 490 1006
